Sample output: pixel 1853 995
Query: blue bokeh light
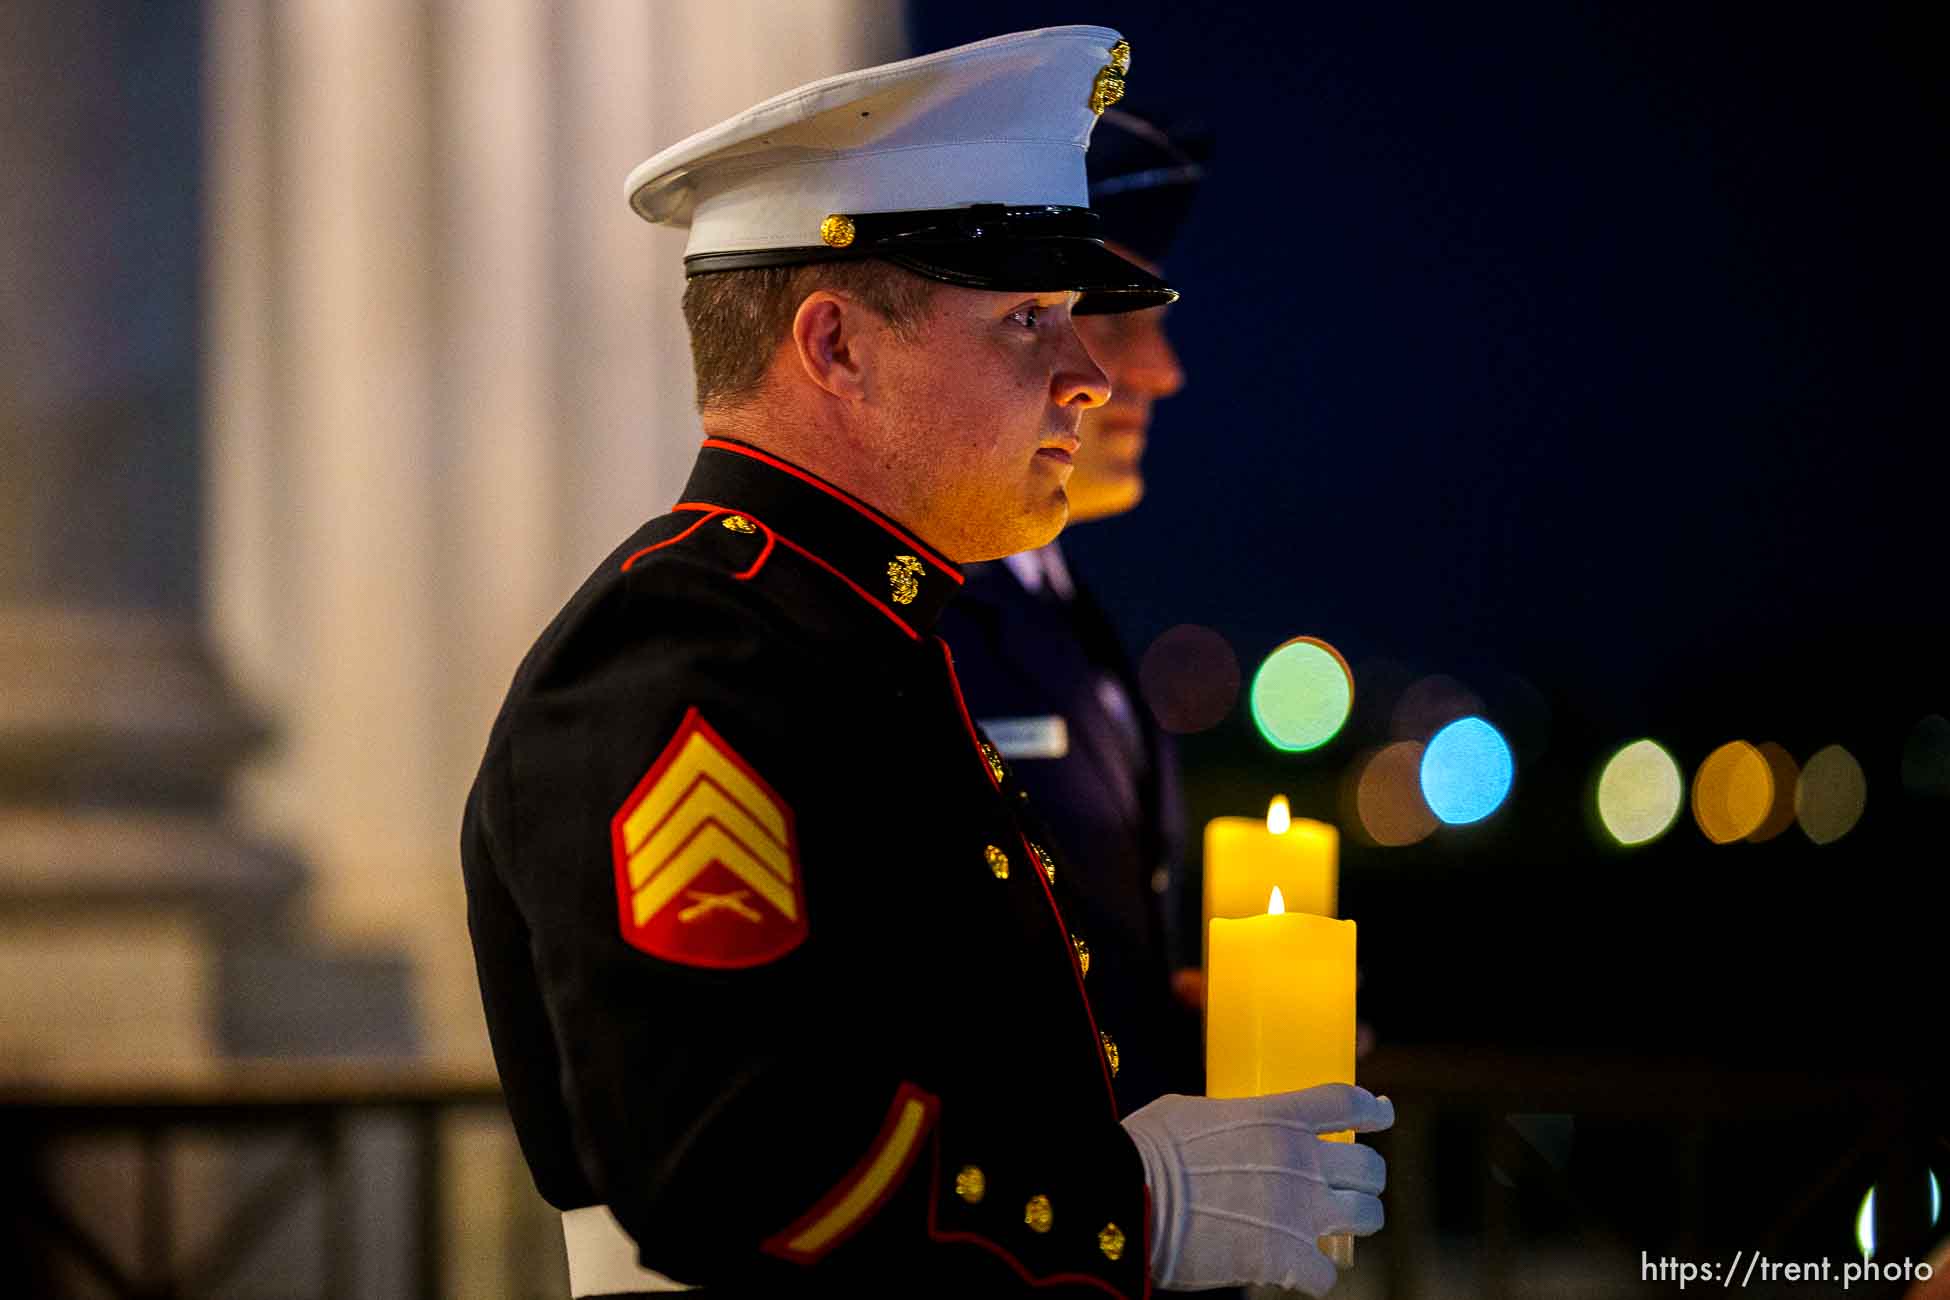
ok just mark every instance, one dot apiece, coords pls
pixel 1466 771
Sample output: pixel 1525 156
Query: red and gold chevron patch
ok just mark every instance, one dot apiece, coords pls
pixel 707 865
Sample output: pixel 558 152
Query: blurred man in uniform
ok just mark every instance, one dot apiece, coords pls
pixel 1048 680
pixel 776 956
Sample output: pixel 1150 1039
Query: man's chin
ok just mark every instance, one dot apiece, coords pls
pixel 1102 499
pixel 1048 523
pixel 1038 527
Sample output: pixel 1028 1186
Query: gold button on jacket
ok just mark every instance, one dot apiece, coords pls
pixel 971 1185
pixel 1038 1214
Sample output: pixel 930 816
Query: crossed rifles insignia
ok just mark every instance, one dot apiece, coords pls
pixel 707 867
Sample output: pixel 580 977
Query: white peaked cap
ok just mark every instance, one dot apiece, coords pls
pixel 966 166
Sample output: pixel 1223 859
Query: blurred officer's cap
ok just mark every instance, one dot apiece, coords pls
pixel 965 166
pixel 1142 179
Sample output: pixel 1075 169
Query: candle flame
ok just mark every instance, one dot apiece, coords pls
pixel 1279 815
pixel 1275 903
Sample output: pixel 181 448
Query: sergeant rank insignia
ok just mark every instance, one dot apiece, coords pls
pixel 707 864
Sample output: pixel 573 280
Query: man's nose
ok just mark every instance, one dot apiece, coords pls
pixel 1079 379
pixel 1152 367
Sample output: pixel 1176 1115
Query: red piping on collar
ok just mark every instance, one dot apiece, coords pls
pixel 772 537
pixel 858 590
pixel 852 503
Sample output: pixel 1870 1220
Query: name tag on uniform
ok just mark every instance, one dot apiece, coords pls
pixel 1044 737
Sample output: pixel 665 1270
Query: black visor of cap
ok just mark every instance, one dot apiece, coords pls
pixel 987 246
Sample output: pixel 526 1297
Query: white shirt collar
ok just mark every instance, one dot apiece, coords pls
pixel 1044 565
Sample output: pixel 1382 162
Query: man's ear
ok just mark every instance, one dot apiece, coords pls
pixel 832 340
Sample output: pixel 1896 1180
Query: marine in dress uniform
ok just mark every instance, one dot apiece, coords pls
pixel 776 955
pixel 842 972
pixel 1050 683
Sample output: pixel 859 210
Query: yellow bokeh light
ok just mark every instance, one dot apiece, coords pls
pixel 1732 792
pixel 1639 793
pixel 1831 795
pixel 1388 800
pixel 1780 813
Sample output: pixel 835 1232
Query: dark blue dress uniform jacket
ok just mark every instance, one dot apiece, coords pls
pixel 854 1051
pixel 1112 802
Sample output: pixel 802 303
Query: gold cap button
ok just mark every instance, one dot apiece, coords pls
pixel 1038 1214
pixel 970 1185
pixel 1083 955
pixel 1110 1052
pixel 998 862
pixel 1111 1241
pixel 739 524
pixel 837 230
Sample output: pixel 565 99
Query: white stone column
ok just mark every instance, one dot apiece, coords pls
pixel 446 374
pixel 117 733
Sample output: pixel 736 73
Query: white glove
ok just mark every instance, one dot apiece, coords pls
pixel 1241 1188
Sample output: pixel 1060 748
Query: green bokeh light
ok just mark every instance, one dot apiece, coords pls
pixel 1640 793
pixel 1302 695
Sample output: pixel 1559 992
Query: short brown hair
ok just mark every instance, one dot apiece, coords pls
pixel 737 318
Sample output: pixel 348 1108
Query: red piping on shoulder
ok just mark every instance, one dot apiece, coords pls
pixel 672 541
pixel 771 537
pixel 764 554
pixel 858 507
pixel 1062 930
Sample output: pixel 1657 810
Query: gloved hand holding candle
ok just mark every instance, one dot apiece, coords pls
pixel 1241 1189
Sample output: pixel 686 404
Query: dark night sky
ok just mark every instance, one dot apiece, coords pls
pixel 1593 345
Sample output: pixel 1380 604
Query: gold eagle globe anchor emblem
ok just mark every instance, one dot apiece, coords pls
pixel 1109 85
pixel 904 573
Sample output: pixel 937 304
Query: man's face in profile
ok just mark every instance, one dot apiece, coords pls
pixel 981 408
pixel 1135 352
